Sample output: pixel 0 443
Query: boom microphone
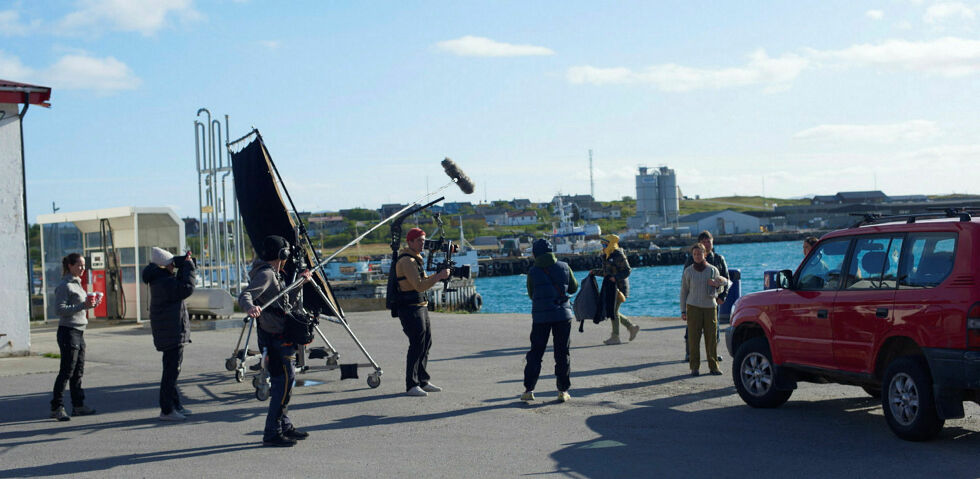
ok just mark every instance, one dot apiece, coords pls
pixel 458 176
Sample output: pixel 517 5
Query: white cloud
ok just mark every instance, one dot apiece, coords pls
pixel 470 46
pixel 761 69
pixel 12 69
pixel 10 24
pixel 144 16
pixel 73 72
pixel 915 130
pixel 875 14
pixel 82 72
pixel 270 44
pixel 941 12
pixel 948 56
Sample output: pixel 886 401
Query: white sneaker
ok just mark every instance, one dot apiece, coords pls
pixel 184 411
pixel 614 339
pixel 417 392
pixel 431 388
pixel 174 416
pixel 563 396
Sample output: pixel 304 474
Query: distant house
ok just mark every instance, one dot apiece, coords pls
pixel 853 197
pixel 495 216
pixel 520 204
pixel 908 199
pixel 454 207
pixel 390 209
pixel 602 213
pixel 518 218
pixel 327 225
pixel 824 200
pixel 850 198
pixel 725 222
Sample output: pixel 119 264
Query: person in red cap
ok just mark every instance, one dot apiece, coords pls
pixel 413 312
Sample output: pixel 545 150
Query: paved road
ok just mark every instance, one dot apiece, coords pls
pixel 634 413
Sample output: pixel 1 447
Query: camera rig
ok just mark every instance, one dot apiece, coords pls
pixel 447 248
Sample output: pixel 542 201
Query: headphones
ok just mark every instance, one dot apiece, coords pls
pixel 276 247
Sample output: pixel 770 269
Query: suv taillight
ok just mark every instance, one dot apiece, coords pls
pixel 973 327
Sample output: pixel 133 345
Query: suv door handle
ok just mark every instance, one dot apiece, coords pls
pixel 822 313
pixel 881 312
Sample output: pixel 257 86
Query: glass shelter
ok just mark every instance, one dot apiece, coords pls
pixel 116 243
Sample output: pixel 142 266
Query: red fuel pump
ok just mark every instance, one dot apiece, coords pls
pixel 97 271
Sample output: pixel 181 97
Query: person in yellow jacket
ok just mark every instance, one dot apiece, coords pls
pixel 616 268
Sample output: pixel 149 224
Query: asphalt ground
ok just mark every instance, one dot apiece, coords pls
pixel 635 412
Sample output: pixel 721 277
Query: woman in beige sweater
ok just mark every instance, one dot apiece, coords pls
pixel 700 285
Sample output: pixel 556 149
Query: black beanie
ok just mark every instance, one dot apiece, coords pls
pixel 271 247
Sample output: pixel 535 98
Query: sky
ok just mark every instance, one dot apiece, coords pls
pixel 359 101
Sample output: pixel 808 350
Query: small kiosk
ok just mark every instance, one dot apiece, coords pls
pixel 116 244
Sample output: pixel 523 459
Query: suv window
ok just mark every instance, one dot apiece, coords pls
pixel 874 263
pixel 928 259
pixel 822 270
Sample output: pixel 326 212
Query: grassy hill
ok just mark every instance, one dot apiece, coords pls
pixel 735 203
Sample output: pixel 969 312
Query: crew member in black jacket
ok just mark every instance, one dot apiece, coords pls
pixel 171 281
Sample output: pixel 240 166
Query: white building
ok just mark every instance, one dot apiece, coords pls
pixel 15 284
pixel 518 218
pixel 726 222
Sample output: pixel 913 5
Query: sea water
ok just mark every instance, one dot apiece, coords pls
pixel 654 290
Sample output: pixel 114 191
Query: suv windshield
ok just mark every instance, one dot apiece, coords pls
pixel 822 270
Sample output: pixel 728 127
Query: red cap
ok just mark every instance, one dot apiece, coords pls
pixel 414 233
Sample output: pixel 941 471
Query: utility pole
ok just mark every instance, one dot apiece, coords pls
pixel 591 180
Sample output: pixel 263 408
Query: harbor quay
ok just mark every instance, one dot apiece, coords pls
pixel 635 411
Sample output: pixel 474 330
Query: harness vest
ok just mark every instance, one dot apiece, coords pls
pixel 413 297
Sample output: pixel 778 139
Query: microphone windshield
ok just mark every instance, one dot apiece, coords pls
pixel 458 176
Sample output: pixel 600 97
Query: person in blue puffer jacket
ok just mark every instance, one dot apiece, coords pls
pixel 549 284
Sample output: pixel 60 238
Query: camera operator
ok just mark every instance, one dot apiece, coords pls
pixel 413 311
pixel 171 281
pixel 265 282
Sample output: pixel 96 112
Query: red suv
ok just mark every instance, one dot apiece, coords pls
pixel 891 306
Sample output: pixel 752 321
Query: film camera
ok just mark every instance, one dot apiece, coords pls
pixel 447 248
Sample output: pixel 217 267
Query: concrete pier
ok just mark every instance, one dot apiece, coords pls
pixel 635 412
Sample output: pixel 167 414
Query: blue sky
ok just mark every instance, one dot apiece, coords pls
pixel 358 101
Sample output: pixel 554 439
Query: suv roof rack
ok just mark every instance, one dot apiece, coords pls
pixel 963 213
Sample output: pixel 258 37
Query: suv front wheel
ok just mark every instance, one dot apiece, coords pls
pixel 907 399
pixel 755 375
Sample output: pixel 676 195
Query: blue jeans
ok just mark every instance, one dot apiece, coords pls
pixel 280 354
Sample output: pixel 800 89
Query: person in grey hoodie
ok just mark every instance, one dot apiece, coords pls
pixel 266 282
pixel 549 282
pixel 171 280
pixel 71 301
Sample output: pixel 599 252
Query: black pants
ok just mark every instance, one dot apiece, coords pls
pixel 169 395
pixel 72 345
pixel 415 324
pixel 560 330
pixel 280 354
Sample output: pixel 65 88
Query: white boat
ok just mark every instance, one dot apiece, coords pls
pixel 569 238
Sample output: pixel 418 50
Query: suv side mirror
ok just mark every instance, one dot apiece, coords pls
pixel 784 279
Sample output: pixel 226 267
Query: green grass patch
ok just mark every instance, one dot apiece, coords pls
pixel 52 355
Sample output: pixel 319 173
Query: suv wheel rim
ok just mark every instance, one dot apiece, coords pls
pixel 903 399
pixel 757 374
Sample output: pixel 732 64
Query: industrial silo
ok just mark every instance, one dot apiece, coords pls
pixel 669 202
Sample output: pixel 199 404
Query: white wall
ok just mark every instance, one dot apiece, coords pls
pixel 15 297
